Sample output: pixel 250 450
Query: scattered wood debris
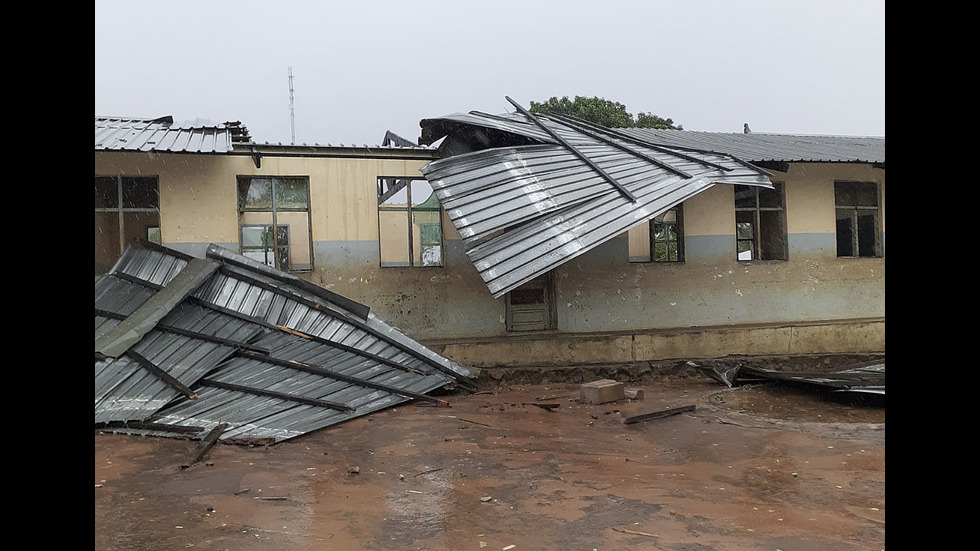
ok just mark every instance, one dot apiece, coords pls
pixel 635 532
pixel 657 414
pixel 206 444
pixel 548 407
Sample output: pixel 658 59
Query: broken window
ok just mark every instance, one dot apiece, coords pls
pixel 660 240
pixel 857 219
pixel 530 307
pixel 127 210
pixel 760 223
pixel 409 223
pixel 283 203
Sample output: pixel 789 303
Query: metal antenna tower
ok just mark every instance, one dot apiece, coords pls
pixel 292 116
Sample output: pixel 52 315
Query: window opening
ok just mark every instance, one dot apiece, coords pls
pixel 127 210
pixel 760 223
pixel 263 245
pixel 283 203
pixel 530 307
pixel 858 222
pixel 660 240
pixel 409 223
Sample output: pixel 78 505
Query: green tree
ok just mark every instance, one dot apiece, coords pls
pixel 610 114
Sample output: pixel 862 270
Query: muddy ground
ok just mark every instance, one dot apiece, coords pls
pixel 765 466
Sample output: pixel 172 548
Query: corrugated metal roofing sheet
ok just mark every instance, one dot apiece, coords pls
pixel 761 147
pixel 132 134
pixel 528 193
pixel 248 346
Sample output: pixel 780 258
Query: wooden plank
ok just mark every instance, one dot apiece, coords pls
pixel 657 414
pixel 206 444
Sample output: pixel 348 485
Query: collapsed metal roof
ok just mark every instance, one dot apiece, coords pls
pixel 185 345
pixel 530 192
pixel 862 378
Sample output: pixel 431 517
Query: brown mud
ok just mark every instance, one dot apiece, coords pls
pixel 757 467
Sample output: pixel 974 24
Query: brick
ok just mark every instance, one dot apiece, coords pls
pixel 602 391
pixel 634 393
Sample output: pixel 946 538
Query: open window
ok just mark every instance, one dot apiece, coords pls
pixel 127 210
pixel 760 223
pixel 409 223
pixel 660 240
pixel 858 222
pixel 283 203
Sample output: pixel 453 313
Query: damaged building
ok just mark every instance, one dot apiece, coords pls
pixel 517 239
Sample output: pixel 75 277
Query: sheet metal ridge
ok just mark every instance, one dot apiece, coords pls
pixel 347 305
pixel 122 134
pixel 116 341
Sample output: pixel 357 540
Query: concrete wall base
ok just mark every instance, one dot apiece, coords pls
pixel 864 336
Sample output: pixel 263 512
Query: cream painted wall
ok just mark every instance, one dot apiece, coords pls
pixel 197 192
pixel 198 197
pixel 810 193
pixel 710 212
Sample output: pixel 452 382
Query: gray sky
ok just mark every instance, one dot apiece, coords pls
pixel 361 68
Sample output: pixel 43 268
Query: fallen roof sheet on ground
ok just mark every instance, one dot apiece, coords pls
pixel 530 192
pixel 184 345
pixel 866 378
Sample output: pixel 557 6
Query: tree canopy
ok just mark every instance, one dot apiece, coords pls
pixel 601 111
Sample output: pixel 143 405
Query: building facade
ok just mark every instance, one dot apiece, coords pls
pixel 734 270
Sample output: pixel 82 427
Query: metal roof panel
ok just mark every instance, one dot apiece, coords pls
pixel 522 210
pixel 248 347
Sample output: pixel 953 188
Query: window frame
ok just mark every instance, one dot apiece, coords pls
pixel 385 192
pixel 854 218
pixel 117 205
pixel 243 183
pixel 279 250
pixel 756 211
pixel 543 286
pixel 649 256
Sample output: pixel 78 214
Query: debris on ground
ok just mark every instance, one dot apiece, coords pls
pixel 863 377
pixel 602 391
pixel 657 414
pixel 634 393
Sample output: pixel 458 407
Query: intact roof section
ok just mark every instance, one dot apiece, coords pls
pixel 247 348
pixel 159 134
pixel 761 147
pixel 528 193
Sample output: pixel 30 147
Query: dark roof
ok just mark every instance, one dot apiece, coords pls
pixel 761 147
pixel 185 345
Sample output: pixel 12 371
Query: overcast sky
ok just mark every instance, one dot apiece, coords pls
pixel 361 68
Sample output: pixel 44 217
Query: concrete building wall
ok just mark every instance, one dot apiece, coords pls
pixel 607 308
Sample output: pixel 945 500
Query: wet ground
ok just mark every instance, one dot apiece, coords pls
pixel 759 467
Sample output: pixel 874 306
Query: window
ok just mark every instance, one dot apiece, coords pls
pixel 259 243
pixel 760 223
pixel 531 307
pixel 127 210
pixel 409 223
pixel 857 219
pixel 661 240
pixel 283 203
